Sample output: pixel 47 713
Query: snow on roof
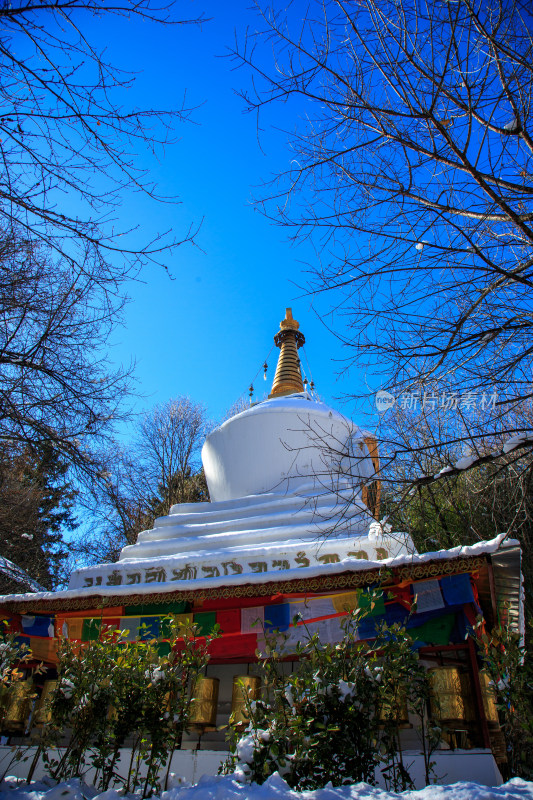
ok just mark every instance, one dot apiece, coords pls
pixel 19 575
pixel 347 565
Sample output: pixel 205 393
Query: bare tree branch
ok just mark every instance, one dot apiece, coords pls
pixel 412 177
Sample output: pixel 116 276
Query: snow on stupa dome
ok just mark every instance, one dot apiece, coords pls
pixel 284 445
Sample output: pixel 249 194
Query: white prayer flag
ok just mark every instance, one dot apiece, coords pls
pixel 249 616
pixel 428 596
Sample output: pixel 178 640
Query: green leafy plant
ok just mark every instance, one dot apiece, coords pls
pixel 112 689
pixel 508 664
pixel 336 716
pixel 404 685
pixel 13 657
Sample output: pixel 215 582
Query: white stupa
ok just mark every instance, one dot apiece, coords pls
pixel 293 486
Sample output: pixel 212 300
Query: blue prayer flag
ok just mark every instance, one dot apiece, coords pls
pixel 278 617
pixel 457 589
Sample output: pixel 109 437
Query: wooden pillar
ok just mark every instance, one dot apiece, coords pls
pixel 474 673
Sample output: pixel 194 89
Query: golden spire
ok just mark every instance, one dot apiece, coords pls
pixel 288 377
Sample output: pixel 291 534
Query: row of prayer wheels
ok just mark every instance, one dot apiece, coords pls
pixel 18 701
pixel 451 702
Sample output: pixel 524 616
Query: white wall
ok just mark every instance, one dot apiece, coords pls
pixel 450 766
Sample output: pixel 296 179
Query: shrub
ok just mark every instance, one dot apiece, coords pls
pixel 335 718
pixel 111 690
pixel 509 665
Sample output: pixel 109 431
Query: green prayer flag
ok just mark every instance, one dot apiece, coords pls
pixel 435 631
pixel 366 598
pixel 90 631
pixel 148 609
pixel 163 649
pixel 206 621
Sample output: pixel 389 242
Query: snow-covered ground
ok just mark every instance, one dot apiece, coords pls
pixel 275 788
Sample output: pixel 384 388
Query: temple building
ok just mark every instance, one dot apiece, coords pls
pixel 291 527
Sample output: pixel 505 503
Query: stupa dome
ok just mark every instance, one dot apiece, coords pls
pixel 289 444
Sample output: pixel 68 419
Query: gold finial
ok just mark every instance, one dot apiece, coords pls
pixel 288 377
pixel 289 321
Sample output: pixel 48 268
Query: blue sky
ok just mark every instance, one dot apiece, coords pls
pixel 207 332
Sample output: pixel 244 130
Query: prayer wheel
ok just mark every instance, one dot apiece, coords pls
pixel 446 695
pixel 18 707
pixel 4 700
pixel 43 712
pixel 245 689
pixel 489 699
pixel 204 705
pixel 469 702
pixel 395 711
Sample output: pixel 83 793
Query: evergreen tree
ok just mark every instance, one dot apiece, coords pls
pixel 36 508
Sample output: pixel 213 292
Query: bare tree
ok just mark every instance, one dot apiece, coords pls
pixel 143 480
pixel 168 446
pixel 68 154
pixel 411 174
pixel 56 386
pixel 68 146
pixel 475 497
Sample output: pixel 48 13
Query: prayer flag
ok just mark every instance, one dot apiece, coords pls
pixel 37 626
pixel 372 601
pixel 428 596
pixel 44 649
pixel 73 628
pixel 252 619
pixel 149 628
pixel 278 617
pixel 163 649
pixel 457 589
pixel 229 620
pixel 396 613
pixel 312 607
pixel 367 627
pixel 346 602
pixel 130 625
pixel 435 631
pixel 90 631
pixel 206 621
pixel 166 627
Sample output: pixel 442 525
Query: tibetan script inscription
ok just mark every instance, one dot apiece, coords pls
pixel 302 560
pixel 258 566
pixel 114 578
pixel 96 581
pixel 211 572
pixel 186 573
pixel 155 575
pixel 232 568
pixel 329 558
pixel 192 571
pixel 358 554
